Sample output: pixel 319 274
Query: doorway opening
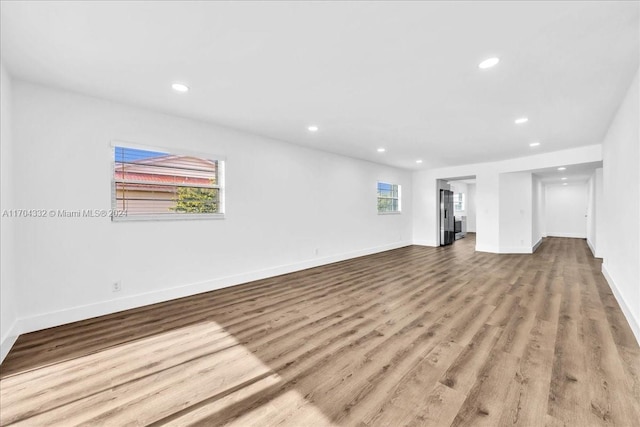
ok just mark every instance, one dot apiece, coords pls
pixel 456 205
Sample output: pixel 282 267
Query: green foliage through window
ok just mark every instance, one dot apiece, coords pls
pixel 196 200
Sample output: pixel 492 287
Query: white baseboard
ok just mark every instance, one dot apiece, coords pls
pixel 73 314
pixel 9 340
pixel 633 322
pixel 536 246
pixel 487 248
pixel 430 243
pixel 569 235
pixel 594 251
pixel 508 249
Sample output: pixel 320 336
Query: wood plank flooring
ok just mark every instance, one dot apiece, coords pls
pixel 414 336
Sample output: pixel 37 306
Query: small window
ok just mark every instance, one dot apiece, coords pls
pixel 458 202
pixel 388 198
pixel 149 184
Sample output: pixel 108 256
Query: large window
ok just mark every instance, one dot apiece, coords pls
pixel 388 198
pixel 150 184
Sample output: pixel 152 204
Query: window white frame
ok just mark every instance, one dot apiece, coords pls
pixel 116 214
pixel 397 197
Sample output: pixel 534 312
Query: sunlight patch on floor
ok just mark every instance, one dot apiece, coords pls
pixel 184 375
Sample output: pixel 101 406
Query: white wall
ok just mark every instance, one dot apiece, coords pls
pixel 487 211
pixel 487 192
pixel 621 190
pixel 515 212
pixel 566 209
pixel 283 202
pixel 8 300
pixel 471 208
pixel 599 214
pixel 591 217
pixel 595 214
pixel 537 212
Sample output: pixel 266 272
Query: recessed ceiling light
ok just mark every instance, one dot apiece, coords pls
pixel 564 179
pixel 381 150
pixel 565 183
pixel 313 128
pixel 418 161
pixel 534 144
pixel 180 87
pixel 562 168
pixel 488 63
pixel 521 120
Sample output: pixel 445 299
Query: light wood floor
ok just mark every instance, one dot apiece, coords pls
pixel 413 336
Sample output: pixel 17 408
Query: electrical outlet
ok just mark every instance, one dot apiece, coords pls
pixel 116 286
pixel 317 251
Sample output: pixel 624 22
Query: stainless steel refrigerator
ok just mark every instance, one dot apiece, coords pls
pixel 447 225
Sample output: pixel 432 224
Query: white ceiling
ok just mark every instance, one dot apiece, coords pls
pixel 574 174
pixel 469 181
pixel 399 75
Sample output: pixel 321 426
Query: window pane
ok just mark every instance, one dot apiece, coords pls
pixel 388 197
pixel 140 199
pixel 155 182
pixel 458 201
pixel 384 190
pixel 384 205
